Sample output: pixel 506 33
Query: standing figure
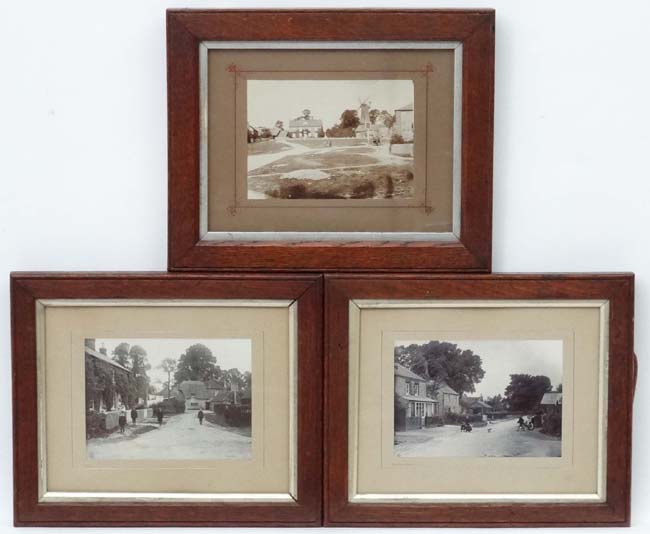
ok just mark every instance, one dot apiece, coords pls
pixel 200 416
pixel 134 415
pixel 121 420
pixel 159 415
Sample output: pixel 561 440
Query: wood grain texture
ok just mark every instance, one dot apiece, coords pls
pixel 617 288
pixel 27 288
pixel 187 28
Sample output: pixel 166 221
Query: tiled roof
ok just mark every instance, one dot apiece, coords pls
pixel 104 358
pixel 443 387
pixel 194 388
pixel 552 398
pixel 307 123
pixel 402 371
pixel 407 107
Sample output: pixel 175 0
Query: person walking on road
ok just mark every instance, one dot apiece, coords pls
pixel 134 415
pixel 121 420
pixel 159 415
pixel 200 416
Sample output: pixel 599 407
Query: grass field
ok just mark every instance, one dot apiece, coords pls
pixel 267 147
pixel 343 157
pixel 311 169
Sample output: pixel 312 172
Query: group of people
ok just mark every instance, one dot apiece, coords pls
pixel 121 421
pixel 157 413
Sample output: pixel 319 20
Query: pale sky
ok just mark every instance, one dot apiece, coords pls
pixel 273 100
pixel 501 358
pixel 228 352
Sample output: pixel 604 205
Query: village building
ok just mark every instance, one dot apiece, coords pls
pixel 551 403
pixel 412 404
pixel 405 122
pixel 102 376
pixel 373 132
pixel 448 398
pixel 194 393
pixel 305 126
pixel 418 398
pixel 474 406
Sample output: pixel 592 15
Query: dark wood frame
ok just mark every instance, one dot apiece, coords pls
pixel 617 288
pixel 187 28
pixel 27 288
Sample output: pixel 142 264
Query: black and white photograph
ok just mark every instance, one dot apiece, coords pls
pixel 478 398
pixel 330 139
pixel 168 399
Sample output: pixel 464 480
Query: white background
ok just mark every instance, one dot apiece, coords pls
pixel 83 154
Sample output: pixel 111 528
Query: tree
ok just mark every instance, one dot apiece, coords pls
pixel 121 354
pixel 386 119
pixel 559 388
pixel 349 119
pixel 279 125
pixel 139 368
pixel 197 363
pixel 373 115
pixel 525 392
pixel 168 365
pixel 443 361
pixel 497 402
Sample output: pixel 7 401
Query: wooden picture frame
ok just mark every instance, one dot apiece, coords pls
pixel 346 294
pixel 303 293
pixel 467 247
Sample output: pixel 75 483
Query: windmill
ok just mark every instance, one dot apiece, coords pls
pixel 364 111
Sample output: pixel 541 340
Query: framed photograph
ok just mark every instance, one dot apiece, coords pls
pixel 479 400
pixel 155 399
pixel 330 140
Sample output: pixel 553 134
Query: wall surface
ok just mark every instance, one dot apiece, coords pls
pixel 84 173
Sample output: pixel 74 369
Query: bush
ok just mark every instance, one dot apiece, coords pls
pixel 552 425
pixel 170 406
pixel 233 415
pixel 434 420
pixel 397 139
pixel 95 425
pixel 300 191
pixel 338 131
pixel 390 187
pixel 363 190
pixel 458 418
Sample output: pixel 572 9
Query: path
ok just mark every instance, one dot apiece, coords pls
pixel 180 437
pixel 259 160
pixel 501 439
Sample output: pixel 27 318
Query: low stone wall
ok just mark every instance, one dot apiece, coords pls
pixel 112 420
pixel 402 150
pixel 144 413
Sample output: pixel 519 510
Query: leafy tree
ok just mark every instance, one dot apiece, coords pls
pixel 349 119
pixel 525 392
pixel 279 125
pixel 139 368
pixel 387 119
pixel 197 363
pixel 559 388
pixel 497 402
pixel 442 360
pixel 373 115
pixel 168 365
pixel 121 354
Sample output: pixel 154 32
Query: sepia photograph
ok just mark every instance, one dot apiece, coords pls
pixel 478 398
pixel 164 399
pixel 330 139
